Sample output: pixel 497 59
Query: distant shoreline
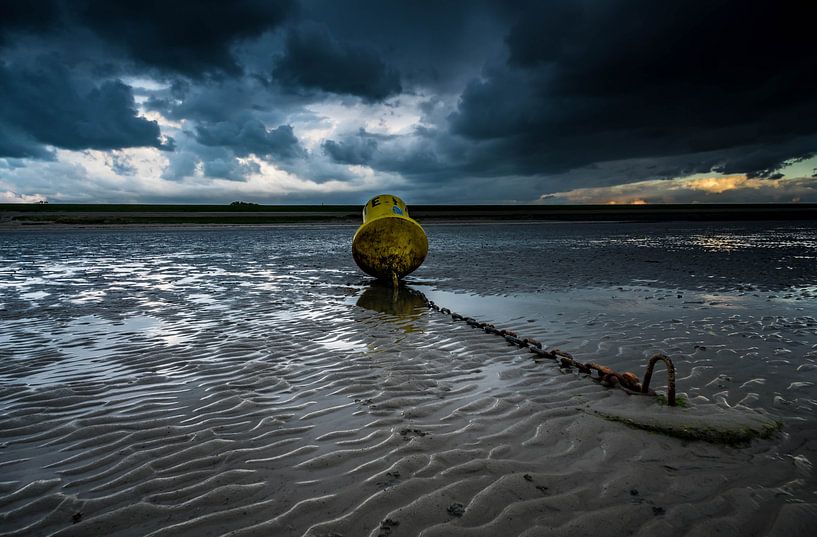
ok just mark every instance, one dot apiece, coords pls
pixel 71 216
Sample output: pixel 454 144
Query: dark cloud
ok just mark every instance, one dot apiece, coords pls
pixel 765 158
pixel 251 137
pixel 436 46
pixel 191 37
pixel 15 143
pixel 192 160
pixel 588 82
pixel 23 16
pixel 314 60
pixel 491 100
pixel 358 149
pixel 43 104
pixel 215 101
pixel 229 168
pixel 220 150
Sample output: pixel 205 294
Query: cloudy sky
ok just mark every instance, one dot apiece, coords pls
pixel 319 101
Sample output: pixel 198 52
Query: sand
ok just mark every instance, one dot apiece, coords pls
pixel 253 383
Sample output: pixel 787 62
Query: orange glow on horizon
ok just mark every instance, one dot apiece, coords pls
pixel 717 185
pixel 693 190
pixel 637 201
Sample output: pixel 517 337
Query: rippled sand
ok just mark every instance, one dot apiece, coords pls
pixel 250 382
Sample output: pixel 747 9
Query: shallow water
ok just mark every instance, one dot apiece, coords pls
pixel 734 305
pixel 227 335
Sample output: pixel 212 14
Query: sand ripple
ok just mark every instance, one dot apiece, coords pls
pixel 300 439
pixel 196 394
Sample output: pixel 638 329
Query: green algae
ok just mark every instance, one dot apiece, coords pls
pixel 680 400
pixel 733 436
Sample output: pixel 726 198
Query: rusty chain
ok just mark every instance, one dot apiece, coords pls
pixel 627 381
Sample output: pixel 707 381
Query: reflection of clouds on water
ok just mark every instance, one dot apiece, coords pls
pixel 666 237
pixel 716 257
pixel 719 243
pixel 770 239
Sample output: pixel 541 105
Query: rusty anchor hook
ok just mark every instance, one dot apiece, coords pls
pixel 645 388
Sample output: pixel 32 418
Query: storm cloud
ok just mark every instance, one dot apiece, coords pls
pixel 594 81
pixel 358 149
pixel 192 37
pixel 314 60
pixel 43 104
pixel 486 101
pixel 251 137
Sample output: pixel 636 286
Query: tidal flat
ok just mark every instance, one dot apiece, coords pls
pixel 251 381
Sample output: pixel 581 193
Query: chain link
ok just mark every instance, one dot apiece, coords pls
pixel 606 376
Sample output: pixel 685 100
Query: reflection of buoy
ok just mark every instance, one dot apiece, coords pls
pixel 400 301
pixel 389 244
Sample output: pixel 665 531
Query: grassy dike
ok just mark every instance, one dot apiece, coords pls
pixel 17 215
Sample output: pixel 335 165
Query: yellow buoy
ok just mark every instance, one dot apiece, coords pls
pixel 389 244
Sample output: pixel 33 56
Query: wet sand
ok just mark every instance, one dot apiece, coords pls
pixel 252 382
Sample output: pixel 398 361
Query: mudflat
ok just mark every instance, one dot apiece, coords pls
pixel 250 381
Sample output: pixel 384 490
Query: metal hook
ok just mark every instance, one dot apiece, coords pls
pixel 645 388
